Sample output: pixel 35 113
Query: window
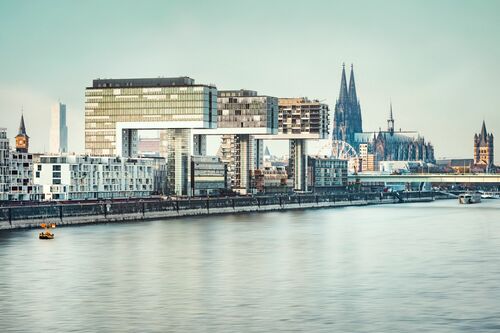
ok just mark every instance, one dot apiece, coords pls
pixel 57 181
pixel 56 174
pixel 56 167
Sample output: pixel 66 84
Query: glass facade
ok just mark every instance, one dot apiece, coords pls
pixel 144 103
pixel 327 174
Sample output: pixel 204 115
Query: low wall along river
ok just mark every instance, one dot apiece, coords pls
pixel 102 212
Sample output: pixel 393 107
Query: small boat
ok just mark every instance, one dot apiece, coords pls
pixel 489 195
pixel 46 234
pixel 469 198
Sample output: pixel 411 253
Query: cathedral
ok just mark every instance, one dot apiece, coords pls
pixel 347 116
pixel 483 149
pixel 381 145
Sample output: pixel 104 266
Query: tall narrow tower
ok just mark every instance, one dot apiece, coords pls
pixel 390 122
pixel 354 104
pixel 22 139
pixel 59 130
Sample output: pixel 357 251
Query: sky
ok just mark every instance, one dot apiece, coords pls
pixel 437 61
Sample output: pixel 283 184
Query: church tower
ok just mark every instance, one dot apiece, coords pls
pixel 22 139
pixel 483 147
pixel 347 115
pixel 390 123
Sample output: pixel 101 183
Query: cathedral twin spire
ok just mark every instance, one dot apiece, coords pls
pixel 347 117
pixel 345 95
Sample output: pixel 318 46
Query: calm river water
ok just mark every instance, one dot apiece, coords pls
pixel 430 267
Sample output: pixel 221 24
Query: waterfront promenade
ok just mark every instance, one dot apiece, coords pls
pixel 105 212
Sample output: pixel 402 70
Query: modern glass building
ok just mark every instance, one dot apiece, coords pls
pixel 115 109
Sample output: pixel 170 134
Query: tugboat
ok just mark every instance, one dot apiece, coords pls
pixel 46 234
pixel 469 198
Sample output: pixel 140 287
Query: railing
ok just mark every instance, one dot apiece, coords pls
pixel 60 211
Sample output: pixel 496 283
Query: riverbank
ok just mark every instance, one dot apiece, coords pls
pixel 91 213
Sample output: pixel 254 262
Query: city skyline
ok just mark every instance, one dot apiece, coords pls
pixel 437 64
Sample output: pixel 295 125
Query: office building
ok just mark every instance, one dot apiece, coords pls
pixel 116 109
pixel 58 129
pixel 327 174
pixel 242 116
pixel 208 175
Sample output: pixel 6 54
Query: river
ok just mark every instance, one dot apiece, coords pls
pixel 422 267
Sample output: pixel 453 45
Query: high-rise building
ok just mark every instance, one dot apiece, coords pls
pixel 243 114
pixel 58 129
pixel 116 109
pixel 347 115
pixel 483 148
pixel 301 119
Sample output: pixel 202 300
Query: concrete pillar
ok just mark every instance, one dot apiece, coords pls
pixel 179 150
pixel 298 164
pixel 130 140
pixel 199 144
pixel 242 165
pixel 258 154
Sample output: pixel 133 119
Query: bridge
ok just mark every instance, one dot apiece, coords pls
pixel 426 178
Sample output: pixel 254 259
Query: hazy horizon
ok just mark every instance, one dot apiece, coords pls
pixel 435 60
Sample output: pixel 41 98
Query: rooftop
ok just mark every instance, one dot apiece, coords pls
pixel 143 82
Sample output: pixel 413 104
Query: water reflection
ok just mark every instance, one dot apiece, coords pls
pixel 400 268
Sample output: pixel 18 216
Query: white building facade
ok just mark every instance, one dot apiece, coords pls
pixel 83 177
pixel 21 184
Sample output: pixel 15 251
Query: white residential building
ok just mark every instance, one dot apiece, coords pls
pixel 4 165
pixel 21 185
pixel 82 177
pixel 58 129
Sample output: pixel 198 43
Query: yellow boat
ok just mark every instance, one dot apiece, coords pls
pixel 46 234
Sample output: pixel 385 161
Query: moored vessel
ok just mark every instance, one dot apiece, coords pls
pixel 469 198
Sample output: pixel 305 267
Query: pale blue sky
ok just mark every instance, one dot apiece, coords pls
pixel 436 60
